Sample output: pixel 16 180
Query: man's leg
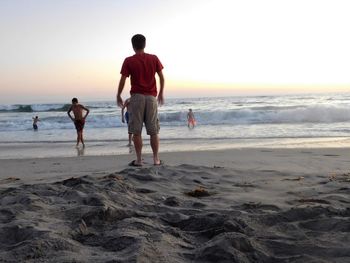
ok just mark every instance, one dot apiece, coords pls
pixel 130 139
pixel 136 118
pixel 138 148
pixel 152 126
pixel 81 138
pixel 78 138
pixel 154 140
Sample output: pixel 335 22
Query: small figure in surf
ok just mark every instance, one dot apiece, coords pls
pixel 79 119
pixel 35 123
pixel 191 121
pixel 125 117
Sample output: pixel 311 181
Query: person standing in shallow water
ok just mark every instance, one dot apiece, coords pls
pixel 125 117
pixel 191 121
pixel 35 123
pixel 141 68
pixel 79 119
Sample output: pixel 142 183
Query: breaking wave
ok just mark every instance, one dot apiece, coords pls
pixel 261 115
pixel 34 108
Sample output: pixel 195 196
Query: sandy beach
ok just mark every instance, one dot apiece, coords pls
pixel 243 105
pixel 237 205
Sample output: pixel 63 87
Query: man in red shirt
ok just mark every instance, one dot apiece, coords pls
pixel 142 68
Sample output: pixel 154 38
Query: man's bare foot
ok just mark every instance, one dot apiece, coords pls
pixel 158 162
pixel 135 163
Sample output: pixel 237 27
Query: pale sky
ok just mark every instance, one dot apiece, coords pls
pixel 52 50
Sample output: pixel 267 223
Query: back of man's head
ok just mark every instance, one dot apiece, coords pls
pixel 138 42
pixel 74 100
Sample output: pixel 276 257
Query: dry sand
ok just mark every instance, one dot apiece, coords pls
pixel 253 205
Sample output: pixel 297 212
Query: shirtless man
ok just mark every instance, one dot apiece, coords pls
pixel 79 119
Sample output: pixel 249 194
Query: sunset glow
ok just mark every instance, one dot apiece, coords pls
pixel 53 50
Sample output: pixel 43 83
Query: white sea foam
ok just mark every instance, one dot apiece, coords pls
pixel 231 117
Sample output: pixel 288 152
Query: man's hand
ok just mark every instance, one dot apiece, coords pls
pixel 120 102
pixel 160 99
pixel 161 88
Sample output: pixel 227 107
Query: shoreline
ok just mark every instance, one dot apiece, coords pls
pixel 303 160
pixel 25 150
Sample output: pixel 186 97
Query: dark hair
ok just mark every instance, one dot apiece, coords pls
pixel 138 42
pixel 74 100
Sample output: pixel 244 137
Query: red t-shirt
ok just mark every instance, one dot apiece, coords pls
pixel 142 69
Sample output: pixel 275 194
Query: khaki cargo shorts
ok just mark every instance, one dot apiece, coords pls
pixel 143 109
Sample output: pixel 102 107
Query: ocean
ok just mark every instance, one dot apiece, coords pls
pixel 311 120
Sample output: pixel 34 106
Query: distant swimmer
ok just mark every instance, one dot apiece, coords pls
pixel 125 117
pixel 35 123
pixel 191 121
pixel 79 119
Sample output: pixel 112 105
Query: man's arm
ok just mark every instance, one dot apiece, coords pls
pixel 68 112
pixel 120 90
pixel 161 89
pixel 87 111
